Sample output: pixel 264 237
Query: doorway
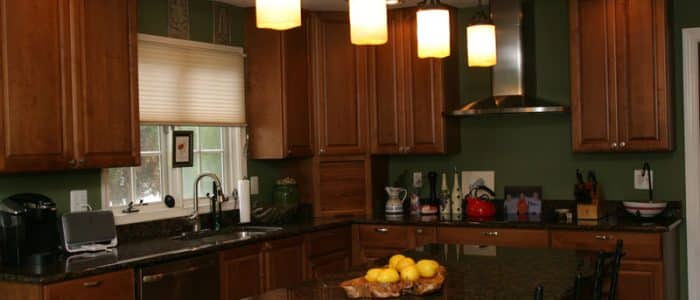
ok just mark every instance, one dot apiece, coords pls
pixel 691 115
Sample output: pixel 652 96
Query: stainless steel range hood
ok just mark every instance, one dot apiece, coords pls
pixel 508 94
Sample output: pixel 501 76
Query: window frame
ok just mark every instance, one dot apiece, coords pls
pixel 234 162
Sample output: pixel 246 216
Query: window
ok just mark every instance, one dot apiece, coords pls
pixel 216 150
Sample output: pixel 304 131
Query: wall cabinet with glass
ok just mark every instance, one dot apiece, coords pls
pixel 278 106
pixel 68 96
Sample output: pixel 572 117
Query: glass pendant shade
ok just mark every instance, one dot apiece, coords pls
pixel 481 45
pixel 278 14
pixel 433 28
pixel 368 24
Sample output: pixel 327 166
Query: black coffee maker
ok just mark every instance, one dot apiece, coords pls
pixel 28 230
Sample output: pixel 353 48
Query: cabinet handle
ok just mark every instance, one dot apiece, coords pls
pixel 419 231
pixel 322 150
pixel 603 237
pixel 289 151
pixel 90 284
pixel 623 145
pixel 614 145
pixel 382 229
pixel 490 233
pixel 152 278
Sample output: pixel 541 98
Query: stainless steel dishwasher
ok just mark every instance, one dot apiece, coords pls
pixel 194 278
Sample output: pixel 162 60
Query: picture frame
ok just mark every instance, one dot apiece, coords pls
pixel 523 200
pixel 183 149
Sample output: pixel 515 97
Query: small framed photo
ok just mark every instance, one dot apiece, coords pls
pixel 523 200
pixel 183 144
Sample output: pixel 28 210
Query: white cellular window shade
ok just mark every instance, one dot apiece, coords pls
pixel 190 83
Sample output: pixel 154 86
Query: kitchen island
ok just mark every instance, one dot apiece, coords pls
pixel 473 272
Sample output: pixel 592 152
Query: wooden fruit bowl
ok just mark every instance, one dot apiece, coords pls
pixel 361 288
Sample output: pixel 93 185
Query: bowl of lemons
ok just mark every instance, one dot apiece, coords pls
pixel 403 275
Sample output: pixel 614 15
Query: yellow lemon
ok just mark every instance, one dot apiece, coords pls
pixel 426 268
pixel 395 259
pixel 406 262
pixel 388 276
pixel 410 274
pixel 372 274
pixel 429 261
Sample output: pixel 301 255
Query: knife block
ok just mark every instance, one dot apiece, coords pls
pixel 593 210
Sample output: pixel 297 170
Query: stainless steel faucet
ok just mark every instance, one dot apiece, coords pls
pixel 194 217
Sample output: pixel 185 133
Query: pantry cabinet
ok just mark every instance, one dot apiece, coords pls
pixel 620 91
pixel 69 93
pixel 278 106
pixel 339 80
pixel 407 94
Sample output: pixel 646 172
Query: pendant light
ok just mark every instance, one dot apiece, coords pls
pixel 368 25
pixel 278 14
pixel 481 40
pixel 433 29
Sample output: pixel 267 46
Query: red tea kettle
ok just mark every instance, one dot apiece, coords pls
pixel 479 205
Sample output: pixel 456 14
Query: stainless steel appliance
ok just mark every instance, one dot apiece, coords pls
pixel 28 230
pixel 186 279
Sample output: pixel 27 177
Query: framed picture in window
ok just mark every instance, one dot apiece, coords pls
pixel 183 142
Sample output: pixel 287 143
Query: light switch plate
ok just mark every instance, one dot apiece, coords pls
pixel 78 200
pixel 642 182
pixel 254 185
pixel 417 179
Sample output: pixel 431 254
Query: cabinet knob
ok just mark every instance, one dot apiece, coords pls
pixel 81 161
pixel 322 150
pixel 623 144
pixel 72 162
pixel 382 229
pixel 614 145
pixel 603 237
pixel 408 149
pixel 419 231
pixel 289 151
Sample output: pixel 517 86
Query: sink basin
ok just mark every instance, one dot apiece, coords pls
pixel 263 229
pixel 235 233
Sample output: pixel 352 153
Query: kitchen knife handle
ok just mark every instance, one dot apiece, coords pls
pixel 90 284
pixel 490 233
pixel 382 229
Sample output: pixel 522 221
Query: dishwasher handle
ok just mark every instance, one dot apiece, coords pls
pixel 159 276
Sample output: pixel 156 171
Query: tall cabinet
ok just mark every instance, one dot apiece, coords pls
pixel 69 91
pixel 620 92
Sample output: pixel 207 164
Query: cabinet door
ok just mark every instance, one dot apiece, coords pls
pixel 297 102
pixel 639 280
pixel 593 76
pixel 643 90
pixel 330 264
pixel 340 86
pixel 343 188
pixel 35 95
pixel 112 286
pixel 386 86
pixel 284 263
pixel 241 272
pixel 425 96
pixel 107 103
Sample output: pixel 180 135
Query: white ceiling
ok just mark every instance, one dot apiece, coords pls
pixel 343 5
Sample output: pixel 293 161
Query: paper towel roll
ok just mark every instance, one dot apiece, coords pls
pixel 244 200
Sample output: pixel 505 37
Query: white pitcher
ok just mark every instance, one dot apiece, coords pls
pixel 394 205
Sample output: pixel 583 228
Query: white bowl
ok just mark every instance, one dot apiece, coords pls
pixel 644 209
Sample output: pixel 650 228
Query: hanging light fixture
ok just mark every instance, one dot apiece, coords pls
pixel 433 28
pixel 278 14
pixel 481 40
pixel 368 25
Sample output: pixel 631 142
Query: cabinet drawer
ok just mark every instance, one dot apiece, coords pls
pixel 380 236
pixel 424 235
pixel 117 285
pixel 328 241
pixel 637 245
pixel 524 238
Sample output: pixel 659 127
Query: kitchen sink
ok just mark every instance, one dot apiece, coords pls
pixel 235 233
pixel 263 229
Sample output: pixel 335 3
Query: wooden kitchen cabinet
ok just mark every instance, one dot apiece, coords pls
pixel 242 273
pixel 620 93
pixel 69 92
pixel 339 80
pixel 284 263
pixel 381 241
pixel 278 106
pixel 408 95
pixel 342 186
pixel 111 286
pixel 328 252
pixel 503 237
pixel 640 280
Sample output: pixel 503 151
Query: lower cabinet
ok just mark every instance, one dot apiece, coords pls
pixel 284 263
pixel 241 272
pixel 111 286
pixel 641 280
pixel 504 237
pixel 380 241
pixel 328 252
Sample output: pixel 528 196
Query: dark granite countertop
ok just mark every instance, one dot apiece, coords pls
pixel 136 253
pixel 473 272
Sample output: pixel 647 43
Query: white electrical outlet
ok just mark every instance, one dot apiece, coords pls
pixel 417 179
pixel 78 200
pixel 642 182
pixel 254 185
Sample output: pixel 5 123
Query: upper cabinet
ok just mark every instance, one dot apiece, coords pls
pixel 407 94
pixel 339 80
pixel 277 99
pixel 619 76
pixel 69 97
